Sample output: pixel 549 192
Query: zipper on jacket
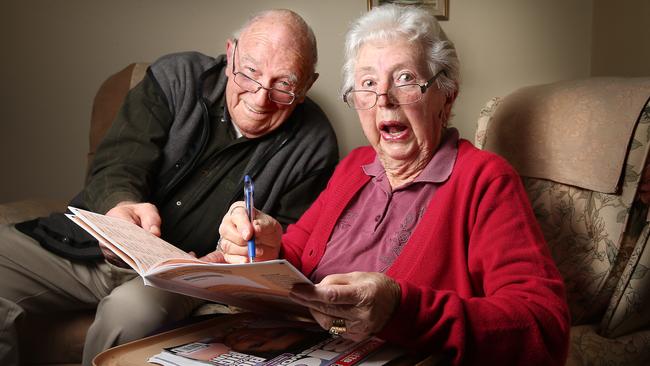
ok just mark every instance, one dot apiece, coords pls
pixel 205 117
pixel 178 177
pixel 255 169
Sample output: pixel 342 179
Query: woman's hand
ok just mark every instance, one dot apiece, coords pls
pixel 364 300
pixel 236 230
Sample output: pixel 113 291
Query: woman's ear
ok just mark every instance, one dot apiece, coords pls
pixel 449 102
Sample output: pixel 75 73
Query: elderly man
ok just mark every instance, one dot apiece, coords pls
pixel 173 163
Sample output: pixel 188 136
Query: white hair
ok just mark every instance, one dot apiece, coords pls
pixel 390 22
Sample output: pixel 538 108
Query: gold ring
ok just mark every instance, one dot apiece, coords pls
pixel 338 322
pixel 337 330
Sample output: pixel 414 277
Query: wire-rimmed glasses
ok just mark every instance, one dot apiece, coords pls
pixel 253 86
pixel 397 95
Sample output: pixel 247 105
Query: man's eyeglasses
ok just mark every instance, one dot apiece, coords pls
pixel 397 95
pixel 253 86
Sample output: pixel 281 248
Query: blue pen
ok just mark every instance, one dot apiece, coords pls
pixel 250 209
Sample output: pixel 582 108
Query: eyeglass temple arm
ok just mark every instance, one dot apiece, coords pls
pixel 426 85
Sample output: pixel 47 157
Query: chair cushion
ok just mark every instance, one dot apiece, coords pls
pixel 583 230
pixel 109 99
pixel 564 131
pixel 588 348
pixel 589 233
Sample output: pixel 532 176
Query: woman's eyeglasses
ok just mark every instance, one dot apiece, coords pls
pixel 397 95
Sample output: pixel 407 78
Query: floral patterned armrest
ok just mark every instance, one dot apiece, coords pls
pixel 19 211
pixel 484 120
pixel 589 348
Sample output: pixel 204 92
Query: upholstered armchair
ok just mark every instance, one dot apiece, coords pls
pixel 58 339
pixel 581 147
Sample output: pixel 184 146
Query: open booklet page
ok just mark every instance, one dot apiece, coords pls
pixel 143 248
pixel 247 339
pixel 260 286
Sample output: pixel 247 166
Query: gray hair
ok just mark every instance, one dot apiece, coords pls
pixel 389 22
pixel 301 29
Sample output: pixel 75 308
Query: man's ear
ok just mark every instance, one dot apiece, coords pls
pixel 230 46
pixel 308 86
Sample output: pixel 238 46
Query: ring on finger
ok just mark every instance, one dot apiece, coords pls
pixel 338 326
pixel 334 330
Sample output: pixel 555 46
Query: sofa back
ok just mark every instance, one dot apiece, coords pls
pixel 596 237
pixel 108 101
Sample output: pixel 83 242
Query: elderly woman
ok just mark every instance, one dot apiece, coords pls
pixel 420 239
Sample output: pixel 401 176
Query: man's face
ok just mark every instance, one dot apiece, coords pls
pixel 265 53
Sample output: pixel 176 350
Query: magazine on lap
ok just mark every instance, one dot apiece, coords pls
pixel 253 339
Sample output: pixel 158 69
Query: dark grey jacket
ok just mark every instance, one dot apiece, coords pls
pixel 302 148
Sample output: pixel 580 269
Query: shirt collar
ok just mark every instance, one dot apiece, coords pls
pixel 225 118
pixel 437 170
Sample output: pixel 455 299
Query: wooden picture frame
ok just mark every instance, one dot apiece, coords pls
pixel 439 8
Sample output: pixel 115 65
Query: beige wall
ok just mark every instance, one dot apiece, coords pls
pixel 56 53
pixel 621 38
pixel 506 44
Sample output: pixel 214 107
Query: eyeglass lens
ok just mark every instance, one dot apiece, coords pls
pixel 366 99
pixel 250 85
pixel 253 86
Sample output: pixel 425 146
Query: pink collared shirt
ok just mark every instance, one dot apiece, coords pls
pixel 379 221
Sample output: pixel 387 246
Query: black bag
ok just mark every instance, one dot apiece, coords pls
pixel 61 236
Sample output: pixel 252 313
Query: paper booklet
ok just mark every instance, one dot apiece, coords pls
pixel 260 286
pixel 251 339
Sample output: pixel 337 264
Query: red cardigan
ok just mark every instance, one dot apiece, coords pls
pixel 478 282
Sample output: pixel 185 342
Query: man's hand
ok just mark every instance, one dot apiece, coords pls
pixel 144 215
pixel 236 230
pixel 360 302
pixel 111 257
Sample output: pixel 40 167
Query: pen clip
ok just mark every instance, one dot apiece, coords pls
pixel 248 197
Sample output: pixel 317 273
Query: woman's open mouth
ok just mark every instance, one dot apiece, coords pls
pixel 393 130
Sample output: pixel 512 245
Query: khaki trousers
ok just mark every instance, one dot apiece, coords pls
pixel 33 279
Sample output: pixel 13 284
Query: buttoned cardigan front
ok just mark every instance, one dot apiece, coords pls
pixel 477 280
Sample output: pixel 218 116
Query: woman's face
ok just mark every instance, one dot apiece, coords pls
pixel 404 136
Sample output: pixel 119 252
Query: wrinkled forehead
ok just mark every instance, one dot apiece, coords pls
pixel 388 54
pixel 271 39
